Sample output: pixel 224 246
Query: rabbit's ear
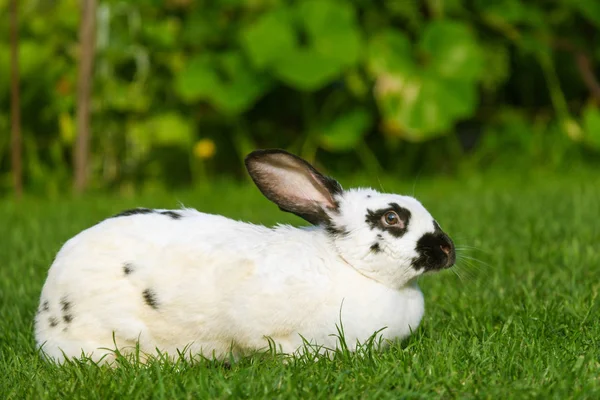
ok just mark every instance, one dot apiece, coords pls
pixel 293 184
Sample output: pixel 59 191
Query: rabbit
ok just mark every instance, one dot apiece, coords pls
pixel 189 284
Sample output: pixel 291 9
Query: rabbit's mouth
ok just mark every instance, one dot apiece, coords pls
pixel 436 251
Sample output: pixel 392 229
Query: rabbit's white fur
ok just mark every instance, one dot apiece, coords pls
pixel 220 286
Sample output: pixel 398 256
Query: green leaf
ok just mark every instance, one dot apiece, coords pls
pixel 333 42
pixel 512 11
pixel 306 70
pixel 496 64
pixel 167 129
pixel 162 33
pixel 32 58
pixel 451 51
pixel 346 132
pixel 390 52
pixel 170 129
pixel 423 100
pixel 268 38
pixel 125 96
pixel 224 80
pixel 591 126
pixel 240 87
pixel 589 9
pixel 201 27
pixel 331 27
pixel 425 108
pixel 509 10
pixel 198 79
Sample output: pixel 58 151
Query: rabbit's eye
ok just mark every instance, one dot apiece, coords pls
pixel 391 218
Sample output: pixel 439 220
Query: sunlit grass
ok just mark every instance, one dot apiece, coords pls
pixel 517 317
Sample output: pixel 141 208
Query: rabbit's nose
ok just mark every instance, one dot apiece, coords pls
pixel 446 248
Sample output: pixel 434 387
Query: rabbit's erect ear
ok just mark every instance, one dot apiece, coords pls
pixel 293 184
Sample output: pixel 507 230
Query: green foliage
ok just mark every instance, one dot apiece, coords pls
pixel 520 322
pixel 332 42
pixel 591 125
pixel 356 80
pixel 346 131
pixel 222 80
pixel 425 99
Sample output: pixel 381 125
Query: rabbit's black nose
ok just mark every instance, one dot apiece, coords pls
pixel 436 251
pixel 446 248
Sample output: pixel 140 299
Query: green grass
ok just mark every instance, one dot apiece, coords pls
pixel 521 321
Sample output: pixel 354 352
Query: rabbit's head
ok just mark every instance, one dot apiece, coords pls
pixel 387 237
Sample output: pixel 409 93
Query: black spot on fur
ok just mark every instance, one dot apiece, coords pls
pixel 171 214
pixel 134 211
pixel 373 218
pixel 65 305
pixel 53 321
pixel 368 196
pixel 150 298
pixel 45 306
pixel 68 318
pixel 431 257
pixel 375 248
pixel 127 268
pixel 336 230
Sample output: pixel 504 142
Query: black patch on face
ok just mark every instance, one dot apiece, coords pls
pixel 373 219
pixel 431 254
pixel 150 298
pixel 53 321
pixel 65 305
pixel 171 214
pixel 127 268
pixel 68 318
pixel 332 229
pixel 336 230
pixel 134 211
pixel 375 248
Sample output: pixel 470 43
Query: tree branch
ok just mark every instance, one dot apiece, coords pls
pixel 584 65
pixel 87 42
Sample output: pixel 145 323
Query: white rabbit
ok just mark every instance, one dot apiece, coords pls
pixel 204 284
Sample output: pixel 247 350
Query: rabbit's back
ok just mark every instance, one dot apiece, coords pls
pixel 161 278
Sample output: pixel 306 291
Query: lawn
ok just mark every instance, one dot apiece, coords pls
pixel 518 317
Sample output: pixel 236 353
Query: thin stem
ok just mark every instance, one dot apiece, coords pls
pixel 556 95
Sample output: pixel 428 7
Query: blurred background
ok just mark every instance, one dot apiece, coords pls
pixel 130 95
